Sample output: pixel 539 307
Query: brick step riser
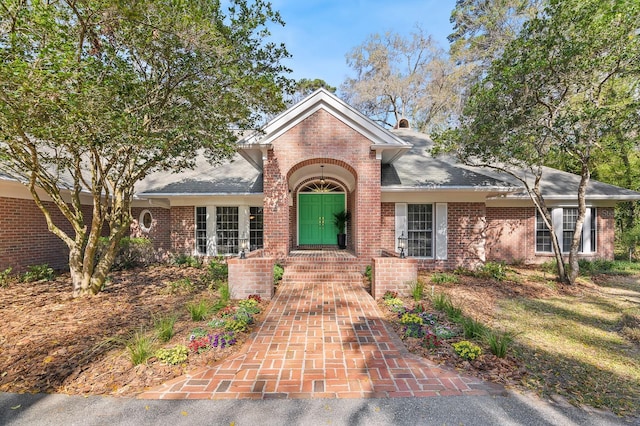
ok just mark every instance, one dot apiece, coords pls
pixel 321 268
pixel 322 277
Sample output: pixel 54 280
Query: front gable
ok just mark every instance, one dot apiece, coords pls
pixel 322 103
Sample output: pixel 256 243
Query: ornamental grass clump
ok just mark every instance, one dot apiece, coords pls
pixel 498 343
pixel 467 350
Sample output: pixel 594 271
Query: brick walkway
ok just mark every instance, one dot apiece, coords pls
pixel 322 341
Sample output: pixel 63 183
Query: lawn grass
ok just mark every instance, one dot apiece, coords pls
pixel 573 345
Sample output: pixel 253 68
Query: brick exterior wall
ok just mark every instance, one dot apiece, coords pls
pixel 160 231
pixel 511 234
pixel 26 240
pixel 321 139
pixel 183 229
pixel 253 275
pixel 392 274
pixel 606 226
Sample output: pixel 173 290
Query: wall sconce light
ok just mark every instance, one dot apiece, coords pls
pixel 402 245
pixel 244 246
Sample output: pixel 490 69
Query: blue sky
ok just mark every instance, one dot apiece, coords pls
pixel 319 33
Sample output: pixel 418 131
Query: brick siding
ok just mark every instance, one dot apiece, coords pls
pixel 253 275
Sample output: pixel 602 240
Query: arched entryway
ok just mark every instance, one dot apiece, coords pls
pixel 318 201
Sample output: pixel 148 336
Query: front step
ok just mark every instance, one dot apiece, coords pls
pixel 314 267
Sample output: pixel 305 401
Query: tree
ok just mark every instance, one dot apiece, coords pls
pixel 564 87
pixel 482 28
pixel 97 94
pixel 399 77
pixel 304 87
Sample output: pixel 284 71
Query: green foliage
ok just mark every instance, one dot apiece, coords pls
pixel 38 273
pixel 164 327
pixel 5 277
pixel 237 325
pixel 340 220
pixel 498 342
pixel 395 304
pixel 199 310
pixel 278 272
pixel 140 347
pixel 416 289
pixel 442 302
pixel 368 273
pixel 495 270
pixel 444 277
pixel 188 260
pixel 174 355
pixel 249 305
pixel 410 318
pixel 181 286
pixel 467 350
pixel 471 328
pixel 225 294
pixel 598 266
pixel 390 295
pixel 218 270
pixel 131 252
pixel 91 92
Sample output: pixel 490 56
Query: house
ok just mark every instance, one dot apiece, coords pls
pixel 280 191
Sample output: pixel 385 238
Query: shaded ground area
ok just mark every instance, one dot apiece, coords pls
pixel 50 342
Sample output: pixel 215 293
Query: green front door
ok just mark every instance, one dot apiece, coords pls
pixel 315 214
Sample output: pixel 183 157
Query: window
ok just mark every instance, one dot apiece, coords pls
pixel 568 216
pixel 227 229
pixel 255 228
pixel 420 230
pixel 201 230
pixel 543 235
pixel 145 221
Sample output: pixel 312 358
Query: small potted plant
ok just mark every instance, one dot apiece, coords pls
pixel 340 220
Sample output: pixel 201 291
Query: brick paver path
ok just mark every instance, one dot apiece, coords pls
pixel 322 341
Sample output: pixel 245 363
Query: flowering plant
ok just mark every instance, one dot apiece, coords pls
pixel 467 350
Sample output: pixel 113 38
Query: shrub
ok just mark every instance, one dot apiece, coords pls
pixel 495 270
pixel 467 350
pixel 198 311
pixel 278 272
pixel 416 288
pixel 444 277
pixel 498 343
pixel 173 356
pixel 5 277
pixel 187 260
pixel 218 270
pixel 140 347
pixel 132 252
pixel 368 273
pixel 38 273
pixel 598 266
pixel 164 327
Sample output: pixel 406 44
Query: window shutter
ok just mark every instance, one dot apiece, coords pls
pixel 441 231
pixel 401 223
pixel 586 232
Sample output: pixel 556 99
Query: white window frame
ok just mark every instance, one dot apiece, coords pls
pixel 439 238
pixel 211 227
pixel 557 214
pixel 143 228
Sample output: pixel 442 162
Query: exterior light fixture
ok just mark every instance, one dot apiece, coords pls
pixel 402 245
pixel 322 174
pixel 244 246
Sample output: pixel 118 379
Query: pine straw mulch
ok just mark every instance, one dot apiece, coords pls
pixel 51 342
pixel 478 298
